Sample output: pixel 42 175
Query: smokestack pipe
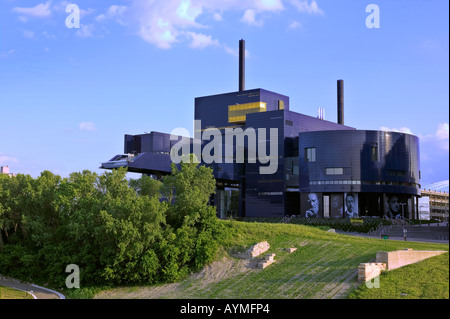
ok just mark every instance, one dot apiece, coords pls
pixel 340 102
pixel 241 65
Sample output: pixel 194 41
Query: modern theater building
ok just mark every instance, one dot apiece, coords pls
pixel 317 169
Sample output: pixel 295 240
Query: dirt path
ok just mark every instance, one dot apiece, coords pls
pixel 322 276
pixel 213 273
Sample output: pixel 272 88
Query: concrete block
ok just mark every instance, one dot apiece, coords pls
pixel 368 271
pixel 268 259
pixel 258 249
pixel 400 258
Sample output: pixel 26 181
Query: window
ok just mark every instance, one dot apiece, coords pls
pixel 280 104
pixel 374 153
pixel 326 206
pixel 334 170
pixel 396 172
pixel 310 154
pixel 237 113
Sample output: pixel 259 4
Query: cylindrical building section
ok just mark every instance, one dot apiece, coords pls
pixel 377 171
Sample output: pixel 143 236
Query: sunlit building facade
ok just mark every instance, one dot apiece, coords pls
pixel 322 169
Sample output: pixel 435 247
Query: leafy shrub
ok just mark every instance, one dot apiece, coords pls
pixel 117 231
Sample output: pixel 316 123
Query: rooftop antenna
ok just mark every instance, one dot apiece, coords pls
pixel 321 113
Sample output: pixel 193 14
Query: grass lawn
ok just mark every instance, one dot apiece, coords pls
pixel 428 279
pixel 10 293
pixel 324 266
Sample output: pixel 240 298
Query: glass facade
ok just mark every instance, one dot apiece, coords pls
pixel 323 169
pixel 310 154
pixel 237 113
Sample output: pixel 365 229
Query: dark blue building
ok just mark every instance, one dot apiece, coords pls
pixel 298 165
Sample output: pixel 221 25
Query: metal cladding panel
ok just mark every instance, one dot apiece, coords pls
pixel 395 168
pixel 262 190
pixel 227 171
pixel 296 123
pixel 264 206
pixel 151 162
pixel 129 144
pixel 272 98
pixel 149 142
pixel 160 142
pixel 146 143
pixel 267 182
pixel 306 123
pixel 213 110
pixel 265 192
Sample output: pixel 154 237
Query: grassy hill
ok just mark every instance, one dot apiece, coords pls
pixel 10 293
pixel 323 266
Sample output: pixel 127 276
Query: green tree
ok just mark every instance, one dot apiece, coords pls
pixel 146 186
pixel 191 187
pixel 116 232
pixel 132 224
pixel 196 229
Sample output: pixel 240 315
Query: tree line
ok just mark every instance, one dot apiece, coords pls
pixel 117 231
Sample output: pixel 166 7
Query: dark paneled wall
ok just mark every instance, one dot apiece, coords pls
pixel 371 163
pixel 375 161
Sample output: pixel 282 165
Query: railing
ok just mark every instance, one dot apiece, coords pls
pixel 406 221
pixel 287 219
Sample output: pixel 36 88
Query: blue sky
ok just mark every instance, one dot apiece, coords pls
pixel 68 95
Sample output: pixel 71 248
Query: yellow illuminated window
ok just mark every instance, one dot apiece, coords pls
pixel 280 104
pixel 237 113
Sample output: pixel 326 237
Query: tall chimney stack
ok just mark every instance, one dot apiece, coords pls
pixel 241 65
pixel 340 102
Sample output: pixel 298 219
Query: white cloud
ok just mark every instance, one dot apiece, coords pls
pixel 86 12
pixel 41 10
pixel 48 35
pixel 249 17
pixel 235 51
pixel 170 22
pixel 260 6
pixel 7 54
pixel 162 23
pixel 442 136
pixel 268 5
pixel 439 139
pixel 114 12
pixel 201 40
pixel 28 34
pixel 165 23
pixel 85 31
pixel 304 6
pixel 87 126
pixel 61 6
pixel 186 11
pixel 6 160
pixel 400 130
pixel 442 131
pixel 294 25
